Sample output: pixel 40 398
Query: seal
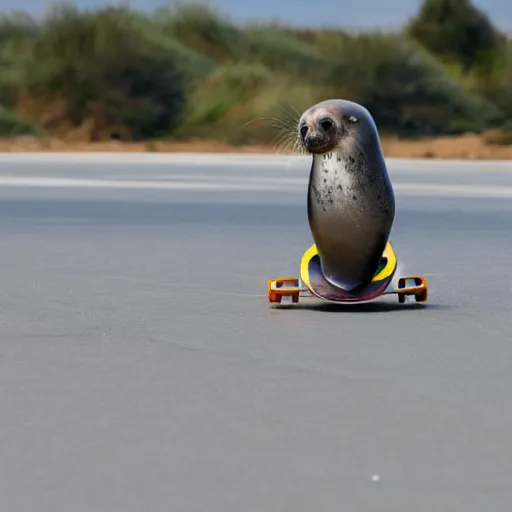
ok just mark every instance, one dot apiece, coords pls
pixel 351 203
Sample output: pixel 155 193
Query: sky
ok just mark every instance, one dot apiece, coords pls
pixel 350 14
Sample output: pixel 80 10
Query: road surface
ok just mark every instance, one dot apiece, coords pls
pixel 141 368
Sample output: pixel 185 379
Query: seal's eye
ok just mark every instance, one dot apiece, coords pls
pixel 352 119
pixel 303 130
pixel 326 124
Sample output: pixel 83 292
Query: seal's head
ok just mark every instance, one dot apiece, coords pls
pixel 332 123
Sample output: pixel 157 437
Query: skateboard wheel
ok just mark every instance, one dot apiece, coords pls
pixel 421 297
pixel 283 290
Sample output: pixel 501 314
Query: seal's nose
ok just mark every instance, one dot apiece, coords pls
pixel 314 140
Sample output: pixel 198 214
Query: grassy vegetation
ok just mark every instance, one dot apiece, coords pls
pixel 188 72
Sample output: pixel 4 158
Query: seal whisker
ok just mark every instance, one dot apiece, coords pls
pixel 275 122
pixel 298 148
pixel 286 121
pixel 291 118
pixel 252 121
pixel 295 115
pixel 284 132
pixel 285 142
pixel 287 137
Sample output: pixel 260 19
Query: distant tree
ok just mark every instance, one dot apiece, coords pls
pixel 456 30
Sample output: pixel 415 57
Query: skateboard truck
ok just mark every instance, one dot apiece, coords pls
pixel 412 285
pixel 284 289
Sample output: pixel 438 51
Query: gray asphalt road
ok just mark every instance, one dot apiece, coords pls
pixel 141 368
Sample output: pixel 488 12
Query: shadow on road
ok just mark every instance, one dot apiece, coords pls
pixel 368 307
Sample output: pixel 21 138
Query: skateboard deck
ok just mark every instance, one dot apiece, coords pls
pixel 313 282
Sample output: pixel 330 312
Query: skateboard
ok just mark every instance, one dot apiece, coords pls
pixel 312 283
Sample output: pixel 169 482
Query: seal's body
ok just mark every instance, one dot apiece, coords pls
pixel 351 205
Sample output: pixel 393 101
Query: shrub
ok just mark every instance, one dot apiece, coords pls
pixel 202 29
pixel 282 52
pixel 11 124
pixel 17 34
pixel 101 69
pixel 246 104
pixel 403 87
pixel 496 85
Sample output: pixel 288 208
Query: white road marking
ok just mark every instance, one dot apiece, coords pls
pixel 271 185
pixel 194 180
pixel 151 158
pixel 133 185
pixel 446 190
pixel 248 160
pixel 253 185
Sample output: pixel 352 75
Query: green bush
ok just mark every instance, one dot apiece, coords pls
pixel 17 27
pixel 17 34
pixel 246 104
pixel 284 53
pixel 202 29
pixel 190 63
pixel 106 71
pixel 11 124
pixel 212 98
pixel 405 89
pixel 496 85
